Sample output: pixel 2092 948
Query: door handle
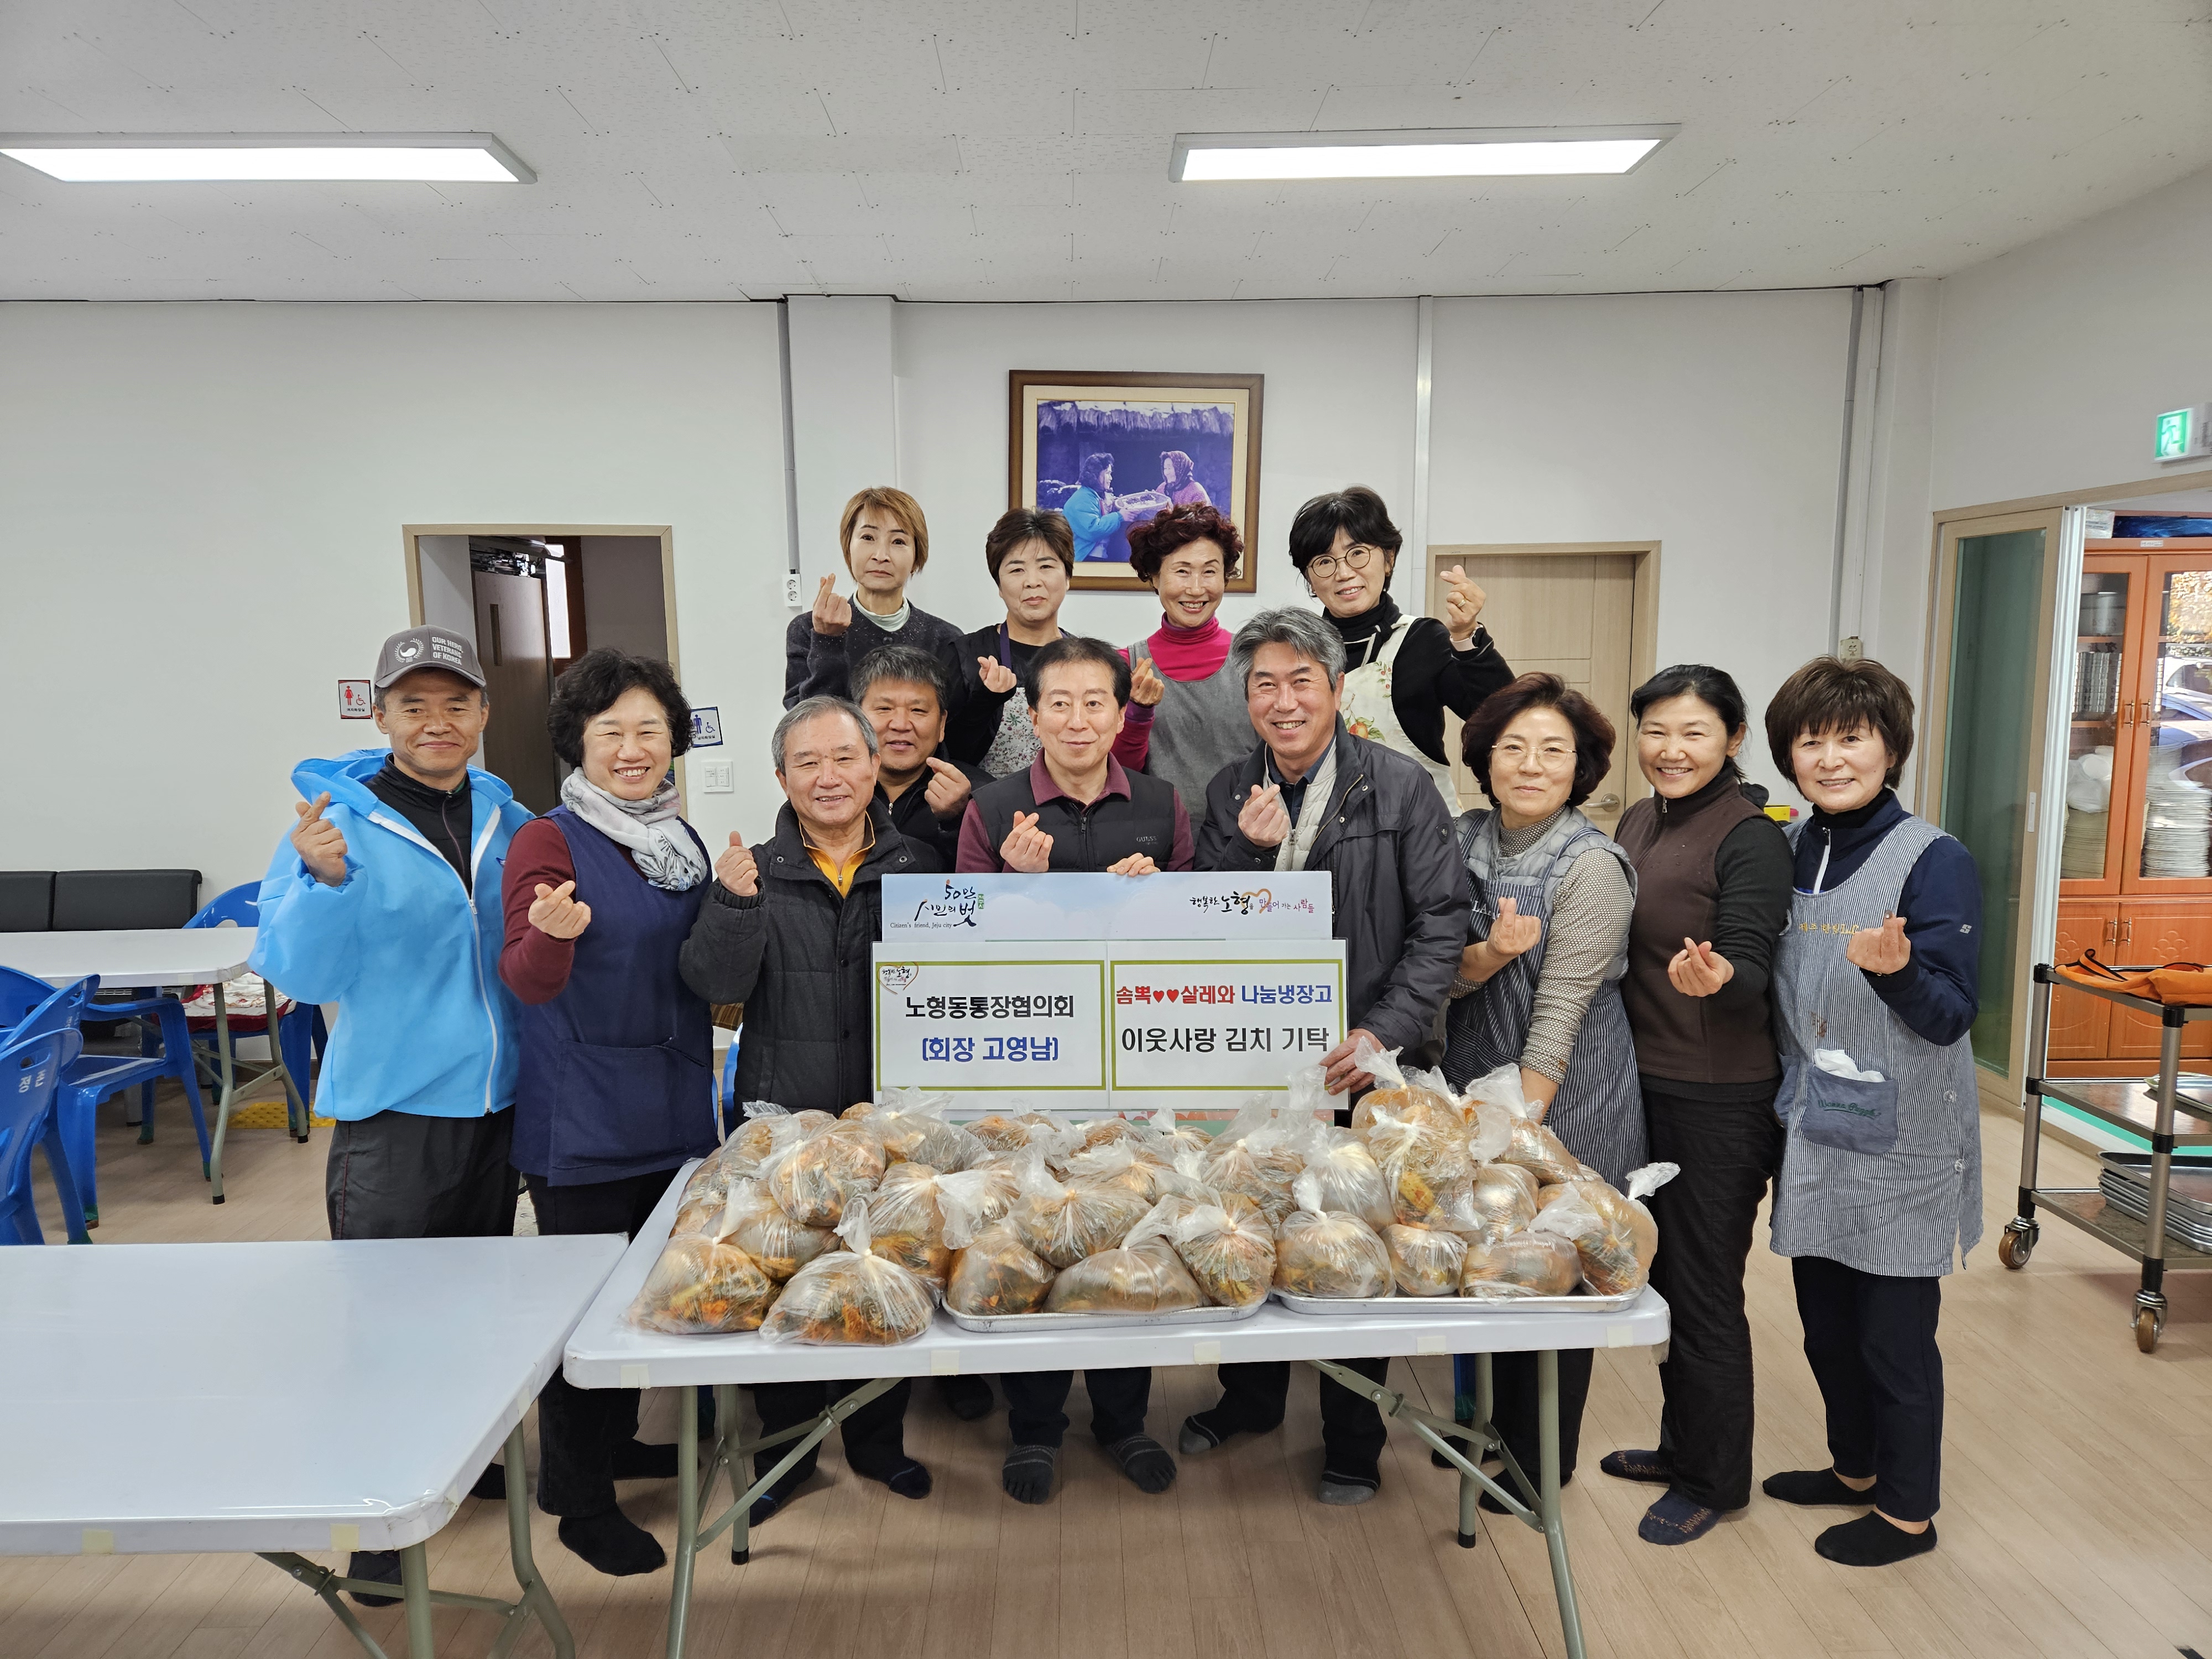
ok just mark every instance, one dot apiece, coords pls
pixel 2128 931
pixel 2111 930
pixel 1608 804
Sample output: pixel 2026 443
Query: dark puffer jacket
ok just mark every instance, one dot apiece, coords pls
pixel 1402 902
pixel 800 958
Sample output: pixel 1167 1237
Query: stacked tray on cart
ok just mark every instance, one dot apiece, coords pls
pixel 854 1230
pixel 2125 1180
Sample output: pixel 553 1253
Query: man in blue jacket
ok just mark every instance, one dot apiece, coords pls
pixel 384 899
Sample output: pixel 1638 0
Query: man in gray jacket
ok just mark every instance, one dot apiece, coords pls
pixel 1313 796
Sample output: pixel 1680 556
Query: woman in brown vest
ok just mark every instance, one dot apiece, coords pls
pixel 1712 897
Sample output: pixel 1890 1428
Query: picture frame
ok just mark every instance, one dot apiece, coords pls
pixel 1178 438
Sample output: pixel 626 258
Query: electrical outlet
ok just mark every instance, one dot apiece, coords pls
pixel 720 778
pixel 791 590
pixel 1851 650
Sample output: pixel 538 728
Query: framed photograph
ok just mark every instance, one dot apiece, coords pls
pixel 1113 450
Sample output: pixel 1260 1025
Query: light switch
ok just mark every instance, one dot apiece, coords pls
pixel 721 778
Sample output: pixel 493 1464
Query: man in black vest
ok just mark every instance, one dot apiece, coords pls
pixel 1075 809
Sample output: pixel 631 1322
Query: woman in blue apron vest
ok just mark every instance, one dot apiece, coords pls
pixel 615 1088
pixel 1539 987
pixel 1875 989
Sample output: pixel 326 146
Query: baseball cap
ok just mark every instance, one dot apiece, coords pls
pixel 426 648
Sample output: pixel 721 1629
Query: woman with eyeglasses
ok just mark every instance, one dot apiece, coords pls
pixel 1539 988
pixel 1400 672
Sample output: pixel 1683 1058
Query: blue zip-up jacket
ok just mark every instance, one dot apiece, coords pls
pixel 1093 525
pixel 1938 991
pixel 425 1024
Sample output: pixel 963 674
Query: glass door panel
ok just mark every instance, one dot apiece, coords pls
pixel 1992 742
pixel 2089 853
pixel 2173 705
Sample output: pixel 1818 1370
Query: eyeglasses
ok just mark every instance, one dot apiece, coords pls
pixel 1551 756
pixel 1357 558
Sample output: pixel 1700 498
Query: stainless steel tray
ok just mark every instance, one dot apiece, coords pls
pixel 1099 1321
pixel 1451 1307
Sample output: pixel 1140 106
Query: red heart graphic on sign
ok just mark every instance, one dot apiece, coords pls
pixel 1173 995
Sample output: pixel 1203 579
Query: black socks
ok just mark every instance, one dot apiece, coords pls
pixel 1145 1462
pixel 1871 1541
pixel 636 1461
pixel 379 1566
pixel 1815 1487
pixel 1028 1472
pixel 1637 1466
pixel 613 1543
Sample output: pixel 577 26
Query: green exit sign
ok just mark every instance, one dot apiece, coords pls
pixel 2177 428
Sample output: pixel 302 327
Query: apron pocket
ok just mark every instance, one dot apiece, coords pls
pixel 1847 1114
pixel 620 1107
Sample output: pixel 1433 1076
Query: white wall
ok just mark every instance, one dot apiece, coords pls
pixel 2054 360
pixel 203 507
pixel 202 503
pixel 1709 422
pixel 1337 409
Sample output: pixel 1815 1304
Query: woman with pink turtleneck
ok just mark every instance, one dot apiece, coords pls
pixel 1186 721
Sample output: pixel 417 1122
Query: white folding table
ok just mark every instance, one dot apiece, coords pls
pixel 607 1352
pixel 419 1358
pixel 165 957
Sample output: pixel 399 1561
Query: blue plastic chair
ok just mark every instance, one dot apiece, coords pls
pixel 241 906
pixel 33 1058
pixel 92 1079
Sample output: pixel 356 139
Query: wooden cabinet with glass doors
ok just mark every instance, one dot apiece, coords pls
pixel 2136 865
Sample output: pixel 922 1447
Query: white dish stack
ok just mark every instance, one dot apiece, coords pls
pixel 2089 814
pixel 2177 823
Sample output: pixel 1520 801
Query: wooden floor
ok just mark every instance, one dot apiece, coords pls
pixel 2076 1522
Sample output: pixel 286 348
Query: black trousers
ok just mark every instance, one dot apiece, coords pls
pixel 874 1436
pixel 1871 1341
pixel 1253 1395
pixel 579 1429
pixel 1513 1408
pixel 399 1176
pixel 1036 1404
pixel 1728 1150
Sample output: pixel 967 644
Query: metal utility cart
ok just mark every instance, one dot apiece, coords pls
pixel 2148 1107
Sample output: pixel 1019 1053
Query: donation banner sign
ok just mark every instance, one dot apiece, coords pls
pixel 1178 905
pixel 1097 1024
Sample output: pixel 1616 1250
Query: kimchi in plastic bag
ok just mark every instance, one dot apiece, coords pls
pixel 1425 1260
pixel 756 1223
pixel 851 1296
pixel 1328 1254
pixel 1065 1223
pixel 906 1224
pixel 1523 1264
pixel 1425 1094
pixel 913 1128
pixel 1147 1278
pixel 814 1179
pixel 1231 1255
pixel 995 1273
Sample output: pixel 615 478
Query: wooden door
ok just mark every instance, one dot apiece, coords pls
pixel 2153 930
pixel 511 643
pixel 2102 730
pixel 1569 614
pixel 2080 1025
pixel 2169 839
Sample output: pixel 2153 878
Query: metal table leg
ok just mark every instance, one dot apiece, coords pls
pixel 415 1591
pixel 227 1061
pixel 1555 1531
pixel 295 1098
pixel 2021 1233
pixel 687 1515
pixel 535 1598
pixel 2150 1300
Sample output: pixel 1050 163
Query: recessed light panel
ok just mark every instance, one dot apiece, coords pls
pixel 1467 153
pixel 355 157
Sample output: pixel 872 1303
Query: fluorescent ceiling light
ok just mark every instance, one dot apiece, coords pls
pixel 1472 152
pixel 462 158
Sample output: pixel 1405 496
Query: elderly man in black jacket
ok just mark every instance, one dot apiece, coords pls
pixel 788 929
pixel 1314 796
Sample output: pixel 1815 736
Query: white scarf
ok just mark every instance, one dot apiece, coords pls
pixel 668 858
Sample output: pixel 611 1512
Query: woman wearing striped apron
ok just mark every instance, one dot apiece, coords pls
pixel 1031 557
pixel 1876 986
pixel 1539 987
